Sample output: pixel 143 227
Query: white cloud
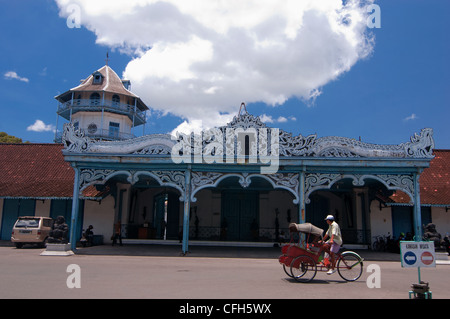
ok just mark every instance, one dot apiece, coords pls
pixel 281 119
pixel 40 126
pixel 266 118
pixel 411 117
pixel 199 59
pixel 13 75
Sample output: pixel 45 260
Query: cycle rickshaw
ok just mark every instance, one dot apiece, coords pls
pixel 301 260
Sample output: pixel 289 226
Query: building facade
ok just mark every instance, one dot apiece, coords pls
pixel 246 181
pixel 240 183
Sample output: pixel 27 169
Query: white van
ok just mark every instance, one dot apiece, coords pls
pixel 31 230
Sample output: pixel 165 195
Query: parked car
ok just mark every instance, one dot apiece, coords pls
pixel 31 230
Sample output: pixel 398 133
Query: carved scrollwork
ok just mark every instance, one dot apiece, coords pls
pixel 421 146
pixel 317 181
pixel 94 176
pixel 171 178
pixel 223 141
pixel 200 179
pixel 75 140
pixel 287 181
pixel 154 150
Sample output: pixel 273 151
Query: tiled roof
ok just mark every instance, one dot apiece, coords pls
pixel 434 182
pixel 36 171
pixel 111 83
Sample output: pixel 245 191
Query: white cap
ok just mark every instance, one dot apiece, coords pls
pixel 330 217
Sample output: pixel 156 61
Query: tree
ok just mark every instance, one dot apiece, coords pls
pixel 5 138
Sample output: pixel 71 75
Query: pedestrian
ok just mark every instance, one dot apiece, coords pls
pixel 89 235
pixel 117 233
pixel 335 240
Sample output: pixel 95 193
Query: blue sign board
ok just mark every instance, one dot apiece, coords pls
pixel 410 258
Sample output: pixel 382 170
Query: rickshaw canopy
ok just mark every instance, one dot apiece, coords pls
pixel 306 228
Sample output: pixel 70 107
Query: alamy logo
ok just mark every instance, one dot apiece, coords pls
pixel 230 145
pixel 74 279
pixel 74 18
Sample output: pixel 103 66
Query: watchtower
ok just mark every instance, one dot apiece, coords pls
pixel 102 106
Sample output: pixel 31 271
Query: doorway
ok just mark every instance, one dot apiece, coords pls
pixel 240 214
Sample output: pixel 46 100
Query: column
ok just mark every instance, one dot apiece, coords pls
pixel 75 208
pixel 417 210
pixel 301 196
pixel 187 208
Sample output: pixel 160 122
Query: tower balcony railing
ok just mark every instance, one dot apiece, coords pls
pixel 100 134
pixel 90 105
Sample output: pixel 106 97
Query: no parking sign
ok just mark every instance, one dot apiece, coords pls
pixel 417 254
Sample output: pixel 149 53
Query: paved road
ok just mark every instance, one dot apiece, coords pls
pixel 205 273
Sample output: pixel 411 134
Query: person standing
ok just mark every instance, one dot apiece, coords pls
pixel 117 233
pixel 335 240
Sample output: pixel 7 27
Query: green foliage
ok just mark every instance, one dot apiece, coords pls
pixel 5 138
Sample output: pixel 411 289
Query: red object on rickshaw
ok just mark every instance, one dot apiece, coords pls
pixel 301 260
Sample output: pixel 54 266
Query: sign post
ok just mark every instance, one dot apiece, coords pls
pixel 416 254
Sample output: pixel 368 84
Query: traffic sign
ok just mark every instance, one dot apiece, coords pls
pixel 410 258
pixel 417 254
pixel 427 258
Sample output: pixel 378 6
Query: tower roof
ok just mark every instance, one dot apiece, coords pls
pixel 109 82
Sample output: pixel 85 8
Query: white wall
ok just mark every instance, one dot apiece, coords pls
pixel 441 219
pixel 86 118
pixel 101 216
pixel 380 219
pixel 42 208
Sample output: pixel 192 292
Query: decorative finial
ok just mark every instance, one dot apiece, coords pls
pixel 107 57
pixel 242 107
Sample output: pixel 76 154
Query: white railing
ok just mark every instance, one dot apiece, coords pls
pixel 100 134
pixel 100 104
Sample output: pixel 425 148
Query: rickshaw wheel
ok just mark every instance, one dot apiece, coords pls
pixel 303 268
pixel 350 266
pixel 287 271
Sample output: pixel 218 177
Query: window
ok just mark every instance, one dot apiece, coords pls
pixel 48 222
pixel 97 78
pixel 115 100
pixel 114 129
pixel 92 128
pixel 95 99
pixel 27 223
pixel 247 146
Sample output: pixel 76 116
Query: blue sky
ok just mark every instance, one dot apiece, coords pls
pixel 402 86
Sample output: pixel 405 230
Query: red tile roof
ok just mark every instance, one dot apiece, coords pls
pixel 434 182
pixel 36 171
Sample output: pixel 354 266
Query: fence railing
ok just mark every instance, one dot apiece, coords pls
pixel 108 105
pixel 350 236
pixel 100 134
